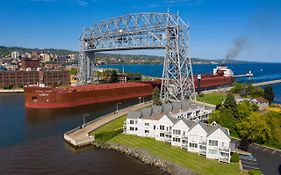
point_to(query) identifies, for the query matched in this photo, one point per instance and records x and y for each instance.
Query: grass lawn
(113, 125)
(212, 98)
(196, 163)
(179, 156)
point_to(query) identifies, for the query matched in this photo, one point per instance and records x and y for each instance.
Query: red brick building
(30, 64)
(22, 78)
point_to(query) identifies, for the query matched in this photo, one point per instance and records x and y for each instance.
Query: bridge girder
(144, 31)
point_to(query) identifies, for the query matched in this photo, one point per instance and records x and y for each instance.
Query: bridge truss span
(143, 31)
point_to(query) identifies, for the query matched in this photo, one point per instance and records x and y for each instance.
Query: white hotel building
(181, 125)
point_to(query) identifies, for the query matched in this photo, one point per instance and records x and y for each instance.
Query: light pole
(84, 119)
(199, 83)
(117, 107)
(139, 100)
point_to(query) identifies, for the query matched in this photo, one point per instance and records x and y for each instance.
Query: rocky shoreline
(146, 158)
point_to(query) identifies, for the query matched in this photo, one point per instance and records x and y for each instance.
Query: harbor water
(31, 142)
(262, 72)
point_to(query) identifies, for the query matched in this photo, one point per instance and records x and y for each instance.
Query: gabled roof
(157, 109)
(167, 108)
(224, 130)
(146, 112)
(134, 114)
(172, 119)
(261, 100)
(176, 107)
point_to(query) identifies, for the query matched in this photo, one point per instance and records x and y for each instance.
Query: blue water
(261, 71)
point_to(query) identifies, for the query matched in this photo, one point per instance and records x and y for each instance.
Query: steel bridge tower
(143, 31)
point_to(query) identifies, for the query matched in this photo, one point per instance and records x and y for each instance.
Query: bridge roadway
(80, 136)
(254, 84)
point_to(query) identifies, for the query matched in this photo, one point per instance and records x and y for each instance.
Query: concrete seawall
(80, 136)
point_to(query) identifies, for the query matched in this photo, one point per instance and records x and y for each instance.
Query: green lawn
(179, 156)
(113, 125)
(212, 98)
(196, 163)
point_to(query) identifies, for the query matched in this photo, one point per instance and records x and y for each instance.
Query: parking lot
(249, 162)
(268, 160)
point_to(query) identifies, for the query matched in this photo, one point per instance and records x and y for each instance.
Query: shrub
(255, 172)
(105, 136)
(201, 95)
(235, 157)
(8, 87)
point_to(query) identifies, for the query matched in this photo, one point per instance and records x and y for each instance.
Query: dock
(80, 136)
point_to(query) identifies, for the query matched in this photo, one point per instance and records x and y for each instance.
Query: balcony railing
(226, 150)
(203, 143)
(224, 159)
(202, 152)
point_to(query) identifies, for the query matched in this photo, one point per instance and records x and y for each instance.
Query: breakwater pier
(265, 83)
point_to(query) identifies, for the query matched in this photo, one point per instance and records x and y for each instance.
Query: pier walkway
(80, 136)
(254, 84)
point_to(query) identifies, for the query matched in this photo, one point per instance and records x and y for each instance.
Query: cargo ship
(42, 97)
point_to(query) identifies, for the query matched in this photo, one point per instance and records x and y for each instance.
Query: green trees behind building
(244, 121)
(156, 96)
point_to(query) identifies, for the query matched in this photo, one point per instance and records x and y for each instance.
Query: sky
(215, 25)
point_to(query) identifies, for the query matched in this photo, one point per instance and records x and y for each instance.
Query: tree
(255, 128)
(268, 94)
(225, 118)
(245, 109)
(114, 77)
(73, 71)
(156, 96)
(275, 125)
(230, 103)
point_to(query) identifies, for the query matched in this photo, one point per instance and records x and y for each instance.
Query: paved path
(80, 136)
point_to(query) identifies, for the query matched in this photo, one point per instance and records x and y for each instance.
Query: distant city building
(15, 55)
(45, 57)
(22, 78)
(30, 64)
(180, 125)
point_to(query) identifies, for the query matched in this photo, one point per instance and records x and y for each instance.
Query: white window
(176, 131)
(222, 144)
(131, 128)
(146, 131)
(212, 151)
(161, 134)
(175, 139)
(154, 127)
(213, 143)
(136, 128)
(161, 127)
(131, 122)
(146, 124)
(193, 145)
